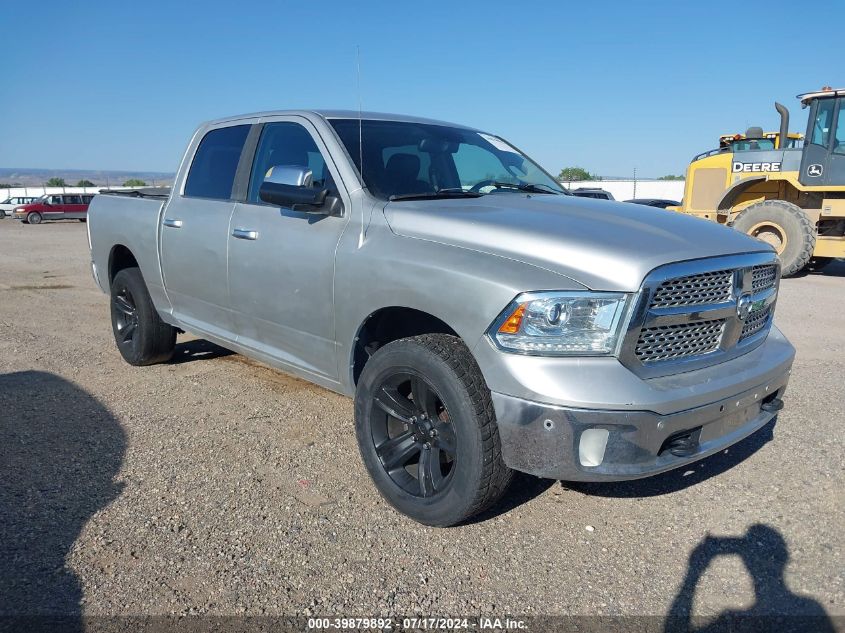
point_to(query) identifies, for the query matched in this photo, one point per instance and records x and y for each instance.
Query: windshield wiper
(524, 186)
(439, 194)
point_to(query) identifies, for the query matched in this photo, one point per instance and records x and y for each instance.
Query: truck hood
(602, 245)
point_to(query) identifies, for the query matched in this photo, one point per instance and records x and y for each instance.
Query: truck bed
(127, 220)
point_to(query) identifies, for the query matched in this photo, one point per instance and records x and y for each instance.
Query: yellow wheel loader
(791, 197)
(755, 138)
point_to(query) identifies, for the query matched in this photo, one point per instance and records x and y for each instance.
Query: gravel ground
(215, 485)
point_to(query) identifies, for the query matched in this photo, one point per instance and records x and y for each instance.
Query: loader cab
(823, 159)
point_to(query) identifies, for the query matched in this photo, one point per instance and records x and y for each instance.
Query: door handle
(245, 234)
(172, 223)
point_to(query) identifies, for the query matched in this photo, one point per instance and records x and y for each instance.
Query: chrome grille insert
(763, 277)
(666, 342)
(755, 322)
(710, 287)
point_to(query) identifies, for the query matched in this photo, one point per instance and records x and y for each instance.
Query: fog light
(591, 447)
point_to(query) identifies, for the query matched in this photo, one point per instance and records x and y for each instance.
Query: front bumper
(608, 444)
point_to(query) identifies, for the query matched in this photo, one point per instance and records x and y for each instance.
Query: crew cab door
(194, 232)
(281, 261)
(823, 162)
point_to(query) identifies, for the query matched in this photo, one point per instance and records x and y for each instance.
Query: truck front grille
(755, 322)
(763, 277)
(697, 313)
(712, 287)
(666, 342)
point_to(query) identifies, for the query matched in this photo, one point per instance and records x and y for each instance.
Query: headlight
(561, 323)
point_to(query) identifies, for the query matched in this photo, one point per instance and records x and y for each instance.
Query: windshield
(752, 144)
(405, 159)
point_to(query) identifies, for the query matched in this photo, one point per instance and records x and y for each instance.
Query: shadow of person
(764, 553)
(681, 478)
(60, 450)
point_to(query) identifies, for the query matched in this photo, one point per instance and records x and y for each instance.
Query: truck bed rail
(148, 192)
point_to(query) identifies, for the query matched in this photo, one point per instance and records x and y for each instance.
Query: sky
(608, 86)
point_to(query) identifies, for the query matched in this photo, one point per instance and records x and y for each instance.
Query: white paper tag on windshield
(498, 143)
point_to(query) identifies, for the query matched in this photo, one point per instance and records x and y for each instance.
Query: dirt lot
(215, 485)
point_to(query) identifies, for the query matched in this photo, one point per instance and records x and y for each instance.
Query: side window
(87, 199)
(839, 138)
(212, 172)
(822, 122)
(55, 199)
(73, 200)
(287, 144)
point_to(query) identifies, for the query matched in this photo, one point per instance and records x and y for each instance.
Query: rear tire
(435, 455)
(783, 225)
(141, 336)
(33, 218)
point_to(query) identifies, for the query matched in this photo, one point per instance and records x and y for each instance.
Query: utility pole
(635, 182)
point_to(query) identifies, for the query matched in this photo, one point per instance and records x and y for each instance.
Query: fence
(627, 189)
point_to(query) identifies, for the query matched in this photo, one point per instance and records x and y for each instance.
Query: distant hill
(34, 177)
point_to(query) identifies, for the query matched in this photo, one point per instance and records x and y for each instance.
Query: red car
(55, 206)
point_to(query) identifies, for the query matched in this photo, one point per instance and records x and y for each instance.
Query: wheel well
(740, 193)
(391, 324)
(120, 258)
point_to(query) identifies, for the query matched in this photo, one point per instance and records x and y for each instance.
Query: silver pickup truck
(483, 320)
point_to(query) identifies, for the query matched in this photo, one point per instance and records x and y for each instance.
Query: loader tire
(784, 226)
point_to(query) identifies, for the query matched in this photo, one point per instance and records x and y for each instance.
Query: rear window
(212, 172)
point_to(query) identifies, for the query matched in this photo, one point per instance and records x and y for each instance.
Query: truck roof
(340, 114)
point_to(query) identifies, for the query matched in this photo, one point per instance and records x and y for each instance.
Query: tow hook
(773, 405)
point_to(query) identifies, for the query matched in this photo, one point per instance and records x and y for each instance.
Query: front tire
(141, 336)
(427, 432)
(783, 225)
(33, 218)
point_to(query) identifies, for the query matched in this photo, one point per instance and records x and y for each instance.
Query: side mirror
(290, 186)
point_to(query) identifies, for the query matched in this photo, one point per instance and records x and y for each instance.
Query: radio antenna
(360, 118)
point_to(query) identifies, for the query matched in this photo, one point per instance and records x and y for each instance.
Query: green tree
(56, 182)
(85, 183)
(576, 173)
(5, 185)
(134, 182)
(671, 177)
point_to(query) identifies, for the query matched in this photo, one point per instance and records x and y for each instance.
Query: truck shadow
(764, 553)
(680, 478)
(197, 349)
(833, 269)
(523, 489)
(60, 450)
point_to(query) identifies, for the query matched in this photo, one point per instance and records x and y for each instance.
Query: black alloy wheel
(125, 317)
(413, 435)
